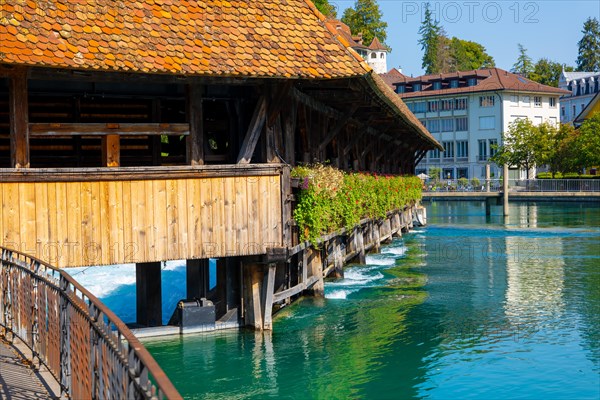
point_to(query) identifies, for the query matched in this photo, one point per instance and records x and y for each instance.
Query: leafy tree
(365, 18)
(589, 46)
(562, 157)
(586, 143)
(525, 145)
(524, 65)
(468, 55)
(430, 32)
(548, 72)
(325, 8)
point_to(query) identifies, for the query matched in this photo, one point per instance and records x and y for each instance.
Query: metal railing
(555, 185)
(514, 185)
(88, 349)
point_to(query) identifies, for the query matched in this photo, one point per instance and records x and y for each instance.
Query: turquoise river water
(468, 307)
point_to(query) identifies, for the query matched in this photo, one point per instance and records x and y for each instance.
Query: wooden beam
(195, 148)
(289, 132)
(101, 129)
(111, 151)
(277, 101)
(269, 288)
(19, 119)
(341, 122)
(254, 129)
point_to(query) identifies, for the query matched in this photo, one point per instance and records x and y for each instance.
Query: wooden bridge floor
(18, 381)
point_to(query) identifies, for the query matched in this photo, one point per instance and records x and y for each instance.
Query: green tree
(365, 18)
(563, 155)
(468, 55)
(524, 65)
(586, 143)
(430, 32)
(525, 145)
(326, 9)
(589, 46)
(548, 72)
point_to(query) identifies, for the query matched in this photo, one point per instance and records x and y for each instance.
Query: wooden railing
(88, 349)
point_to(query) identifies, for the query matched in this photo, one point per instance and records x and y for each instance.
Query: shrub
(330, 199)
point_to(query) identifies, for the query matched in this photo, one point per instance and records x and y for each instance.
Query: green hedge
(330, 199)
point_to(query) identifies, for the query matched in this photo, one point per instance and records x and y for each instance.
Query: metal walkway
(18, 381)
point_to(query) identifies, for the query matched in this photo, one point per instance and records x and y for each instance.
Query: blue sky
(549, 28)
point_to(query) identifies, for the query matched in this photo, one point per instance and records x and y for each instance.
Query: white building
(374, 54)
(582, 87)
(467, 112)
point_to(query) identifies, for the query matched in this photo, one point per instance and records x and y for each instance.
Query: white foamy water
(395, 250)
(380, 259)
(339, 294)
(102, 281)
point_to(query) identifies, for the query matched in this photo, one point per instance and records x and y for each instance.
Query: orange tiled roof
(376, 45)
(265, 38)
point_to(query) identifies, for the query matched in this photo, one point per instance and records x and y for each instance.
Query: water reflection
(469, 308)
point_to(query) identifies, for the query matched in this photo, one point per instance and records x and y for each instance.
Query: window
(525, 101)
(553, 121)
(454, 83)
(462, 149)
(486, 101)
(373, 55)
(448, 173)
(562, 111)
(424, 122)
(482, 150)
(472, 82)
(487, 122)
(447, 125)
(493, 143)
(552, 101)
(382, 55)
(582, 106)
(461, 104)
(432, 105)
(574, 110)
(419, 107)
(462, 173)
(462, 124)
(400, 89)
(537, 101)
(537, 120)
(448, 149)
(416, 87)
(437, 85)
(434, 154)
(433, 125)
(447, 105)
(514, 100)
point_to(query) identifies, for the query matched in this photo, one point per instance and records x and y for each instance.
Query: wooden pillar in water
(148, 294)
(252, 292)
(505, 189)
(197, 278)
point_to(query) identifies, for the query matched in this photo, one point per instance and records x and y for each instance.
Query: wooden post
(376, 236)
(111, 151)
(487, 177)
(19, 119)
(505, 189)
(269, 287)
(286, 207)
(360, 245)
(315, 263)
(289, 133)
(195, 150)
(254, 129)
(196, 278)
(253, 280)
(148, 294)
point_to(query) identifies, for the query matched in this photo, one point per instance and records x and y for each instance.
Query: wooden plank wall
(70, 224)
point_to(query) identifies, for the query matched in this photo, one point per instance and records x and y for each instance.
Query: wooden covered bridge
(143, 131)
